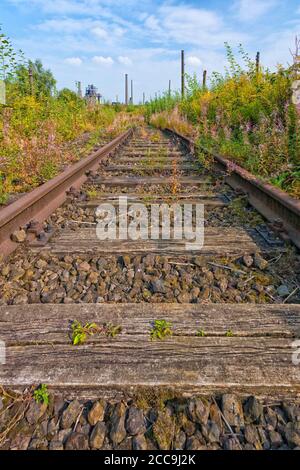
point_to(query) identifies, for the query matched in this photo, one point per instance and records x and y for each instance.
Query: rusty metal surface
(282, 210)
(41, 202)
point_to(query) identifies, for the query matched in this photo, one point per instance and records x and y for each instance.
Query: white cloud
(110, 33)
(118, 31)
(100, 32)
(194, 61)
(152, 23)
(207, 19)
(124, 60)
(102, 60)
(276, 46)
(84, 8)
(184, 24)
(66, 25)
(71, 25)
(63, 7)
(250, 10)
(74, 61)
(84, 27)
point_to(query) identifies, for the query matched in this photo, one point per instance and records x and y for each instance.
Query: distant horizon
(97, 42)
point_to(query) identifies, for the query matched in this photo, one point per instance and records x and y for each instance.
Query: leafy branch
(9, 58)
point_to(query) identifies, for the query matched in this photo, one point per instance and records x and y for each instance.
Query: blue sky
(98, 41)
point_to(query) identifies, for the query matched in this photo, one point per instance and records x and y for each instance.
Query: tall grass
(246, 114)
(34, 133)
(39, 124)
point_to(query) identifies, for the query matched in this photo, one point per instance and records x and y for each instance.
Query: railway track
(233, 305)
(274, 204)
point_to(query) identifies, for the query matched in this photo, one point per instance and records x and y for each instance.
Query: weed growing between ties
(41, 394)
(161, 329)
(80, 332)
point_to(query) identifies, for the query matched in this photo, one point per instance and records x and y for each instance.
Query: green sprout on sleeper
(92, 193)
(200, 333)
(80, 332)
(112, 331)
(41, 394)
(161, 329)
(229, 334)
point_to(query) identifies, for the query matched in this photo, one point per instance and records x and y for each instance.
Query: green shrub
(246, 114)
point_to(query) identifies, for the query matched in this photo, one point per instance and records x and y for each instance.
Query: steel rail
(282, 210)
(41, 202)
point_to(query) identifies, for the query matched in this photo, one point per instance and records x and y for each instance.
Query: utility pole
(143, 97)
(79, 91)
(126, 89)
(182, 74)
(30, 74)
(131, 99)
(257, 60)
(204, 79)
(169, 88)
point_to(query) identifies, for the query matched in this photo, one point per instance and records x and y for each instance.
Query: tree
(44, 82)
(68, 96)
(9, 58)
(34, 79)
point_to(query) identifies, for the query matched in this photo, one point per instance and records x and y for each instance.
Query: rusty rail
(37, 205)
(282, 210)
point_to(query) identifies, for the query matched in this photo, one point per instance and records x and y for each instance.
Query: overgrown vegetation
(200, 333)
(41, 394)
(229, 334)
(246, 114)
(38, 123)
(112, 331)
(160, 329)
(80, 332)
